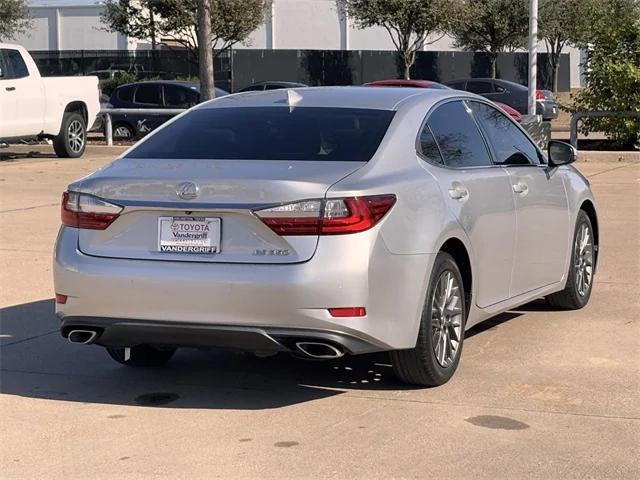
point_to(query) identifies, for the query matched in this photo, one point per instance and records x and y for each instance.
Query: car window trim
(484, 134)
(425, 120)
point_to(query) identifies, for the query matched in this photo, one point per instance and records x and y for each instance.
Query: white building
(289, 24)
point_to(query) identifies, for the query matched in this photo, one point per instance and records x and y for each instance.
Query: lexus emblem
(188, 190)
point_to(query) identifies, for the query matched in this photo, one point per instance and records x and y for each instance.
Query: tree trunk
(554, 75)
(152, 27)
(406, 67)
(407, 59)
(493, 64)
(205, 50)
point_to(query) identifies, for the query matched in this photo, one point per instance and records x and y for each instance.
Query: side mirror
(561, 153)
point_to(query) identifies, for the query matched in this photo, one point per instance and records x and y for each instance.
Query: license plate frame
(189, 235)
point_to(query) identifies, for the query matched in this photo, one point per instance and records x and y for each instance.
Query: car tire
(142, 355)
(122, 131)
(577, 291)
(72, 139)
(427, 364)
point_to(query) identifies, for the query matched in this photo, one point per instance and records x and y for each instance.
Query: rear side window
(457, 85)
(510, 145)
(179, 97)
(16, 64)
(126, 93)
(148, 94)
(428, 146)
(253, 88)
(270, 133)
(480, 87)
(458, 137)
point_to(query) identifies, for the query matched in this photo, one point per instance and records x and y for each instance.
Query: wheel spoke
(446, 318)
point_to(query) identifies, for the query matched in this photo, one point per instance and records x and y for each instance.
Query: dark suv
(153, 95)
(509, 93)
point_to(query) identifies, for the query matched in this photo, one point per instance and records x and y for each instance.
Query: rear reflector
(80, 210)
(333, 216)
(61, 299)
(348, 312)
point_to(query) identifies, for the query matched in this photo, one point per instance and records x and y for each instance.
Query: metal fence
(237, 69)
(168, 64)
(578, 116)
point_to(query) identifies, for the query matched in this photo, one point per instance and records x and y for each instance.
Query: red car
(406, 83)
(512, 112)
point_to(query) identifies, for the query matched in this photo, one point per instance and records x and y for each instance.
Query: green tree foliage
(232, 21)
(408, 22)
(490, 26)
(563, 23)
(14, 18)
(613, 71)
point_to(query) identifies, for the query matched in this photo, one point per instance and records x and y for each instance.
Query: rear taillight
(86, 211)
(333, 216)
(539, 95)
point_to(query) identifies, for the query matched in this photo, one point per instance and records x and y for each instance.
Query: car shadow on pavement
(36, 362)
(8, 156)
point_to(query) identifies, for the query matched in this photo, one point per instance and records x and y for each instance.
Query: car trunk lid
(228, 191)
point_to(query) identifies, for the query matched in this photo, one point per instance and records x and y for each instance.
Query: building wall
(70, 28)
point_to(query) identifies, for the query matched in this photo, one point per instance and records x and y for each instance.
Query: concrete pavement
(539, 393)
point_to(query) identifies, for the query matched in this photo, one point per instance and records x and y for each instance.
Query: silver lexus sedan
(323, 222)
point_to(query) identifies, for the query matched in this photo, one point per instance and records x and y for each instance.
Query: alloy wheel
(446, 318)
(583, 260)
(122, 132)
(75, 134)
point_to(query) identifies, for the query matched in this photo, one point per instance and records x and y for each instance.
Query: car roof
(402, 83)
(380, 98)
(490, 80)
(165, 82)
(279, 82)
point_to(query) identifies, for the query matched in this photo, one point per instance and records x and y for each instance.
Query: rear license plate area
(193, 235)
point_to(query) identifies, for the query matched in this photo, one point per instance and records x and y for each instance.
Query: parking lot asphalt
(539, 393)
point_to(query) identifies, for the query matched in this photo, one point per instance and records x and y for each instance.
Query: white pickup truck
(59, 108)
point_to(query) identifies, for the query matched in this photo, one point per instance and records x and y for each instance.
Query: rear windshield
(270, 133)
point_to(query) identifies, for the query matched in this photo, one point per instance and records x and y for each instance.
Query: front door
(478, 194)
(8, 100)
(543, 227)
(27, 118)
(542, 210)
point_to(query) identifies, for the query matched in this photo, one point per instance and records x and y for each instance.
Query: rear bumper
(548, 110)
(121, 332)
(175, 299)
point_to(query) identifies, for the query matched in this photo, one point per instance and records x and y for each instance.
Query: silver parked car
(323, 222)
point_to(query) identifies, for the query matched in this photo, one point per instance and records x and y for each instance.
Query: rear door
(221, 165)
(148, 95)
(177, 96)
(478, 194)
(542, 209)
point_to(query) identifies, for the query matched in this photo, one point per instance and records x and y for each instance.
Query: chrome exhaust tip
(319, 350)
(82, 337)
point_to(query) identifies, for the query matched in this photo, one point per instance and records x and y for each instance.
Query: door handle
(10, 89)
(521, 188)
(459, 192)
